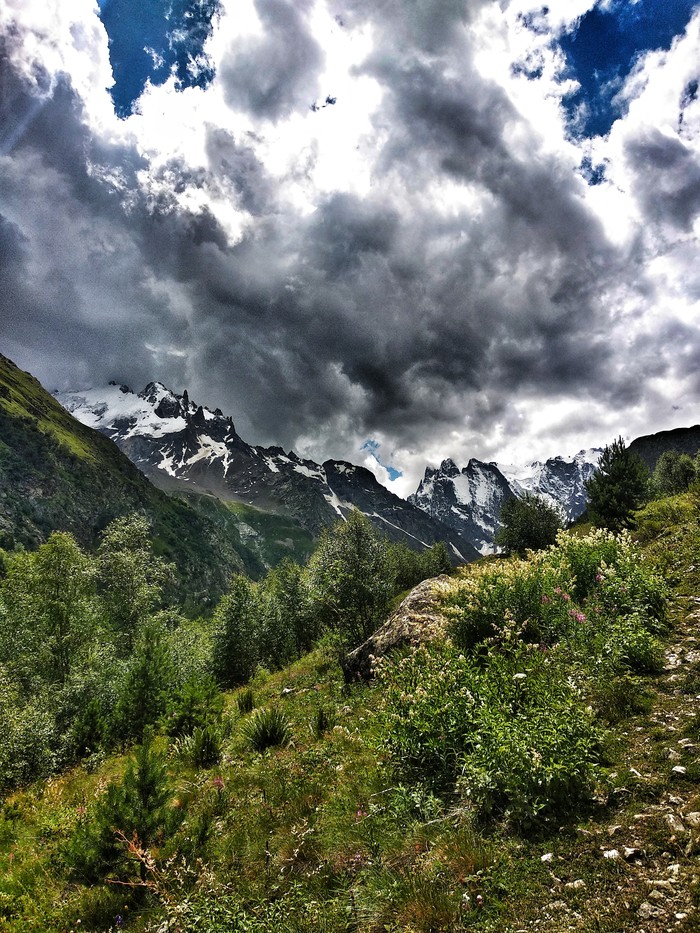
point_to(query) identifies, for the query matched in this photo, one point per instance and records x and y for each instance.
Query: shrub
(630, 645)
(527, 600)
(674, 472)
(267, 728)
(529, 524)
(512, 735)
(245, 701)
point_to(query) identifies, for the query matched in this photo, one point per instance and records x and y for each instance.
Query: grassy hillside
(542, 773)
(57, 474)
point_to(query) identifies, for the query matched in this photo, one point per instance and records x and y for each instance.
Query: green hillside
(535, 767)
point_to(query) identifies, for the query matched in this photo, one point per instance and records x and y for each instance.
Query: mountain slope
(58, 474)
(651, 446)
(181, 445)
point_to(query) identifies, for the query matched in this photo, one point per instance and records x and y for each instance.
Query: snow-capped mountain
(559, 480)
(470, 500)
(178, 443)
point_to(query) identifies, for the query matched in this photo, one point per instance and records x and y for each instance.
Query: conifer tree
(618, 487)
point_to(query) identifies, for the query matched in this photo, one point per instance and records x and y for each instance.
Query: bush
(673, 474)
(529, 524)
(267, 728)
(512, 736)
(514, 600)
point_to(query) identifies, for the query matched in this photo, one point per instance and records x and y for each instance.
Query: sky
(386, 231)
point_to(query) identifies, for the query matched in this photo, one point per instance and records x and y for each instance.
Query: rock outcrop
(418, 619)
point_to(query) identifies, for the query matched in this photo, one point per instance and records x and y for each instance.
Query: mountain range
(182, 446)
(219, 505)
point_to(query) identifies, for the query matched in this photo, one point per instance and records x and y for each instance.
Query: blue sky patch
(601, 51)
(373, 447)
(152, 39)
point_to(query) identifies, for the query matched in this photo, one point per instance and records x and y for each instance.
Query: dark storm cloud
(668, 178)
(376, 313)
(272, 75)
(239, 167)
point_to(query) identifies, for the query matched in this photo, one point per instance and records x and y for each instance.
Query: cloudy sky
(378, 230)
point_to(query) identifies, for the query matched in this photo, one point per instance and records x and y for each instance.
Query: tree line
(92, 654)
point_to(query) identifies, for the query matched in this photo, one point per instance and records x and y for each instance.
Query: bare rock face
(418, 619)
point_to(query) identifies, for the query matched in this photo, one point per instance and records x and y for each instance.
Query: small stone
(674, 869)
(679, 770)
(662, 884)
(680, 915)
(547, 857)
(630, 852)
(657, 895)
(692, 819)
(611, 854)
(673, 755)
(646, 911)
(575, 885)
(675, 824)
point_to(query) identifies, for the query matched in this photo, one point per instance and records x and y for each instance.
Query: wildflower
(218, 783)
(599, 578)
(545, 599)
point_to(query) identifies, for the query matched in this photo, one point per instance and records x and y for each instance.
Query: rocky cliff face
(178, 443)
(470, 499)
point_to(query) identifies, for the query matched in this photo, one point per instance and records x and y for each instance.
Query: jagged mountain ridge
(470, 499)
(179, 444)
